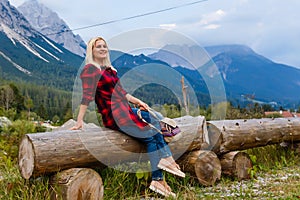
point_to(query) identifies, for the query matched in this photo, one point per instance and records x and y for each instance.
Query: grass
(275, 172)
(276, 176)
(13, 186)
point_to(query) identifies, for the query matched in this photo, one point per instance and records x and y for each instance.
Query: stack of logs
(205, 150)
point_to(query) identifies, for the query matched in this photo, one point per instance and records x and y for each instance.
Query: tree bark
(244, 134)
(236, 164)
(48, 152)
(205, 165)
(77, 183)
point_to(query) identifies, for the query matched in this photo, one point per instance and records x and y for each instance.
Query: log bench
(48, 152)
(205, 150)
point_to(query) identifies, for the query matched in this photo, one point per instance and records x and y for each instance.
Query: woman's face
(100, 50)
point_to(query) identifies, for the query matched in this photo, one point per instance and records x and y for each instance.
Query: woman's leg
(158, 150)
(158, 183)
(153, 152)
(154, 157)
(162, 146)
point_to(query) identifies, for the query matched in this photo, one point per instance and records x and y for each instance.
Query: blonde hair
(89, 58)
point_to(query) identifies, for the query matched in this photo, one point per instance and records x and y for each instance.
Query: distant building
(283, 113)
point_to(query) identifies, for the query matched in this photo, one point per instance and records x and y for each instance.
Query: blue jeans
(157, 148)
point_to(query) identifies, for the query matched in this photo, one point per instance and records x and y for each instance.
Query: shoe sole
(163, 167)
(166, 194)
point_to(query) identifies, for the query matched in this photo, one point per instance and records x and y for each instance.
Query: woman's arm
(137, 101)
(79, 123)
(89, 77)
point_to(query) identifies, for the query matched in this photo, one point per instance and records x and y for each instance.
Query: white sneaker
(161, 189)
(169, 167)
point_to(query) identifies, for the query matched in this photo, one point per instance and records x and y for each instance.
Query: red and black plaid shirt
(104, 86)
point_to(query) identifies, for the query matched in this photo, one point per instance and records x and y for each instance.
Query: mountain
(246, 72)
(27, 55)
(48, 22)
(243, 72)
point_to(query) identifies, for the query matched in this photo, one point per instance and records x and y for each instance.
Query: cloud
(212, 17)
(212, 26)
(168, 26)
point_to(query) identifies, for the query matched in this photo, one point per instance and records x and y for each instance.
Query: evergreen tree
(67, 112)
(56, 119)
(19, 98)
(7, 97)
(28, 105)
(42, 112)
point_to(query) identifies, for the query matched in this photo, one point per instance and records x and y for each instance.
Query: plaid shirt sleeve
(89, 77)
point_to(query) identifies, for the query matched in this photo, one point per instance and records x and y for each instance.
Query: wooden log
(236, 164)
(195, 135)
(245, 134)
(205, 165)
(77, 183)
(214, 140)
(294, 146)
(43, 153)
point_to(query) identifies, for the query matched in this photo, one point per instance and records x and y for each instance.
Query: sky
(270, 27)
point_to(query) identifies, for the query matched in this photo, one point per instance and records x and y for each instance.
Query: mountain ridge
(244, 72)
(50, 24)
(26, 54)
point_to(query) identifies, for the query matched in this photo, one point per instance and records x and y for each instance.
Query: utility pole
(184, 96)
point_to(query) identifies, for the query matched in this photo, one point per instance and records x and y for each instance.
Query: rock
(4, 121)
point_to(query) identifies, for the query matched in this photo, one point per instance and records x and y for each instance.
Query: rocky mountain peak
(50, 24)
(11, 20)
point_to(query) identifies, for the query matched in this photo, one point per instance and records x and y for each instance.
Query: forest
(40, 103)
(36, 103)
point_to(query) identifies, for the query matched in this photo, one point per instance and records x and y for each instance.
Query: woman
(101, 83)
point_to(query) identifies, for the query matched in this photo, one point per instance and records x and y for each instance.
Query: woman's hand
(79, 125)
(143, 106)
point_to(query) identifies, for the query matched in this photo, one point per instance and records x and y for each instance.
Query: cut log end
(208, 168)
(236, 164)
(243, 164)
(205, 165)
(77, 183)
(215, 139)
(26, 158)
